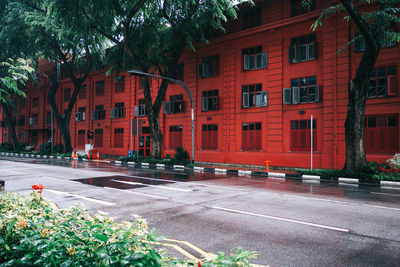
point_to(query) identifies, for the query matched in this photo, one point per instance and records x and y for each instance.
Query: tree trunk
(63, 125)
(355, 121)
(11, 129)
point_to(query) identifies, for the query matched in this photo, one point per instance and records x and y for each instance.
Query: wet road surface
(289, 222)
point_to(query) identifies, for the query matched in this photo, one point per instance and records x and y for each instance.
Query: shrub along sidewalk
(33, 232)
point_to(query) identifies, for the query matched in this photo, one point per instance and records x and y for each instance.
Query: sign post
(311, 141)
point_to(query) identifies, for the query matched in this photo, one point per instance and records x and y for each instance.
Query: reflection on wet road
(131, 178)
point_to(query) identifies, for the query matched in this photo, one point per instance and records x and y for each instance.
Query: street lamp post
(140, 73)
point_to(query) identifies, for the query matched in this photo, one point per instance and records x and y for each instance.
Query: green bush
(22, 147)
(45, 148)
(59, 148)
(33, 232)
(370, 172)
(181, 156)
(6, 147)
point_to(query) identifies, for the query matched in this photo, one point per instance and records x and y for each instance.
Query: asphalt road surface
(289, 222)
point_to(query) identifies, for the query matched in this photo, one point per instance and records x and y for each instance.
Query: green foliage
(370, 172)
(45, 148)
(33, 232)
(181, 154)
(22, 147)
(59, 148)
(6, 147)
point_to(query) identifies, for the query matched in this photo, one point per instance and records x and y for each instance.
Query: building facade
(255, 89)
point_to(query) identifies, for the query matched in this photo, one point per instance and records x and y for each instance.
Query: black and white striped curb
(143, 165)
(340, 180)
(27, 155)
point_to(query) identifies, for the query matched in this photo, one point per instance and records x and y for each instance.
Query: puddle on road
(120, 182)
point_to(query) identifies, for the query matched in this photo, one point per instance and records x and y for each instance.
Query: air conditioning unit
(115, 113)
(78, 116)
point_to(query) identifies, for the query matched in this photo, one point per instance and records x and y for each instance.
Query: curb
(144, 165)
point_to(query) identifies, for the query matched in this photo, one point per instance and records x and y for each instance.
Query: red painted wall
(333, 72)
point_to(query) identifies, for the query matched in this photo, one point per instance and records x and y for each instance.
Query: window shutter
(83, 115)
(246, 64)
(206, 72)
(94, 115)
(264, 99)
(316, 93)
(311, 47)
(296, 95)
(166, 107)
(122, 112)
(245, 100)
(113, 113)
(291, 54)
(143, 110)
(77, 116)
(392, 85)
(200, 70)
(137, 110)
(264, 60)
(205, 103)
(287, 96)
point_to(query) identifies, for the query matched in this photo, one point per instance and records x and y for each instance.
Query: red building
(255, 89)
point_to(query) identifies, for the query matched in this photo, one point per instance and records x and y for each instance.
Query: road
(289, 222)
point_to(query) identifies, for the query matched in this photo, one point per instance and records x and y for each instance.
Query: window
(82, 92)
(381, 134)
(359, 41)
(140, 110)
(175, 105)
(300, 135)
(251, 18)
(209, 136)
(304, 90)
(179, 75)
(21, 120)
(383, 82)
(119, 137)
(254, 58)
(253, 96)
(100, 88)
(210, 100)
(251, 136)
(99, 113)
(98, 137)
(298, 8)
(209, 67)
(81, 137)
(118, 111)
(22, 103)
(175, 136)
(35, 102)
(22, 137)
(303, 48)
(81, 114)
(33, 119)
(67, 94)
(120, 84)
(142, 82)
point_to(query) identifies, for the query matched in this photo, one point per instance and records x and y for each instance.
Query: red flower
(38, 187)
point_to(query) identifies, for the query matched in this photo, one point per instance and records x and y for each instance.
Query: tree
(374, 26)
(149, 36)
(13, 75)
(78, 52)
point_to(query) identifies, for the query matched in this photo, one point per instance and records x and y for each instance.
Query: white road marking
(344, 202)
(136, 193)
(283, 219)
(153, 179)
(387, 194)
(106, 203)
(217, 186)
(8, 170)
(150, 185)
